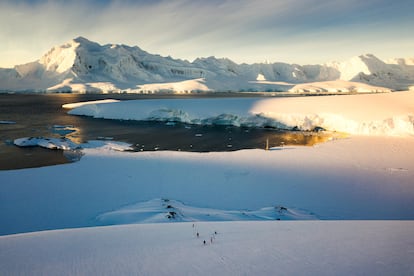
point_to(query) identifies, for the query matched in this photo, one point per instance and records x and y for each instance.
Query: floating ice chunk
(49, 143)
(108, 145)
(66, 144)
(6, 122)
(79, 104)
(105, 138)
(63, 129)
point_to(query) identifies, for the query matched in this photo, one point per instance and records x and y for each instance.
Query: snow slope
(379, 114)
(238, 248)
(371, 70)
(84, 66)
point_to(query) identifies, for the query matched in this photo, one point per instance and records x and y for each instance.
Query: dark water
(38, 116)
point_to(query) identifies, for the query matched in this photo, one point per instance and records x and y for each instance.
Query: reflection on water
(303, 138)
(42, 116)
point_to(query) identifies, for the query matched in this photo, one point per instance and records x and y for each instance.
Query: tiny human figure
(198, 234)
(204, 242)
(215, 232)
(211, 239)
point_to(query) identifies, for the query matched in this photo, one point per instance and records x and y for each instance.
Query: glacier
(386, 114)
(84, 66)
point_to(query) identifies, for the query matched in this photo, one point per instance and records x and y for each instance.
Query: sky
(246, 31)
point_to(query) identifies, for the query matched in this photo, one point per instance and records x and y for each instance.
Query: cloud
(242, 30)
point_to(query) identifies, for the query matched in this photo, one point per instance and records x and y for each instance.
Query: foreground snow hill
(374, 114)
(81, 65)
(238, 248)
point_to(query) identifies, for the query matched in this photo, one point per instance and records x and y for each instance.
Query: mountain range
(81, 65)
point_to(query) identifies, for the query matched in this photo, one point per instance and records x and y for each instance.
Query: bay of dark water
(38, 115)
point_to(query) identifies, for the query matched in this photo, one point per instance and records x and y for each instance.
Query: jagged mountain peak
(81, 39)
(368, 56)
(402, 61)
(371, 59)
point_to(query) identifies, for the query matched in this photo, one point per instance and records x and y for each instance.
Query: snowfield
(356, 195)
(378, 114)
(238, 248)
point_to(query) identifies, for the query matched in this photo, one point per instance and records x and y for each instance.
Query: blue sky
(294, 31)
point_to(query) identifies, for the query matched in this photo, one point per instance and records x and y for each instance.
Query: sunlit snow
(80, 65)
(380, 114)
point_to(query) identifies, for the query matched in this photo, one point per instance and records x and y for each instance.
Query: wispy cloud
(243, 30)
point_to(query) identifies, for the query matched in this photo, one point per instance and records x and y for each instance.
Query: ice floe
(6, 122)
(67, 145)
(49, 143)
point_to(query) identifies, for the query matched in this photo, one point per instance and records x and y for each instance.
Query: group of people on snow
(212, 237)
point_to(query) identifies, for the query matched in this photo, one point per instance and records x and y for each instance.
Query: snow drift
(379, 114)
(83, 66)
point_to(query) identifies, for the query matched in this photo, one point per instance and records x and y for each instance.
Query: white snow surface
(238, 248)
(390, 114)
(336, 87)
(186, 86)
(84, 66)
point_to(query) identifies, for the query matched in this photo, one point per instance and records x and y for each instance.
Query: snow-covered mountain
(85, 66)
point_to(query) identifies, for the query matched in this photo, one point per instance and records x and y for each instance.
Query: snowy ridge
(83, 66)
(167, 210)
(379, 114)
